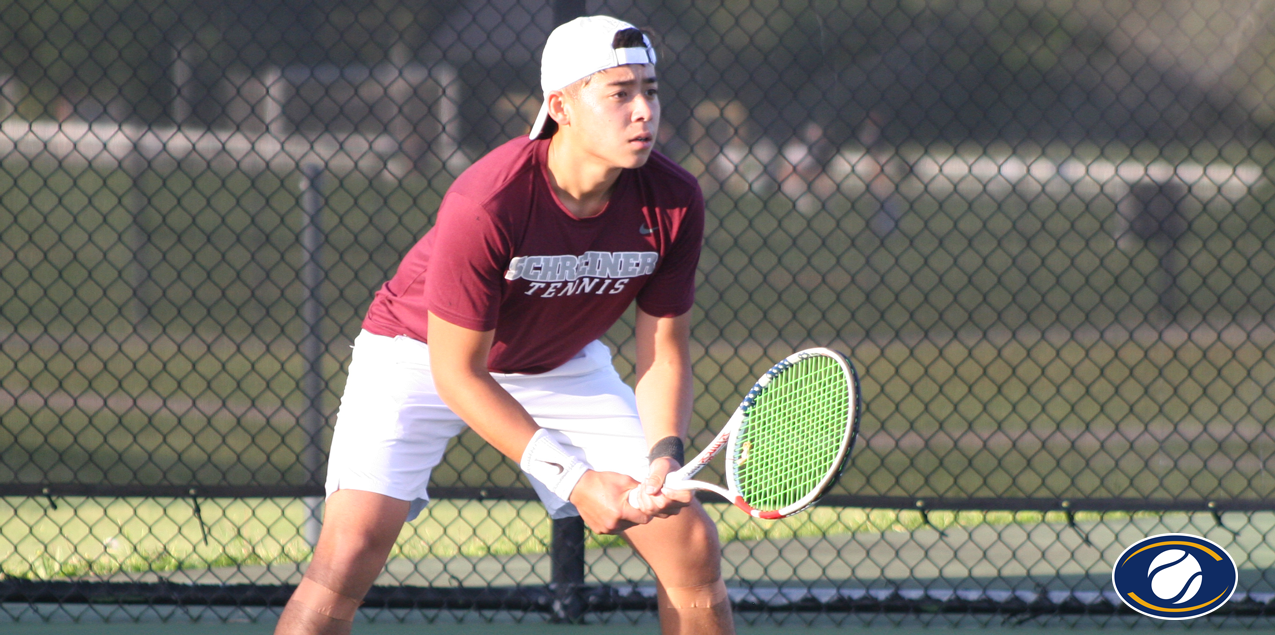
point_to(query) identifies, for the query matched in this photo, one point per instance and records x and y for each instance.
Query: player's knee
(697, 608)
(319, 598)
(346, 547)
(702, 537)
(347, 562)
(711, 595)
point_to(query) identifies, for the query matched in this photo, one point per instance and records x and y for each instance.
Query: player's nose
(643, 108)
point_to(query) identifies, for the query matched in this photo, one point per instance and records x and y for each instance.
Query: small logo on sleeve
(1175, 576)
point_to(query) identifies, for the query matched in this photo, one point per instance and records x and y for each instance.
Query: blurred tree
(943, 69)
(121, 54)
(66, 51)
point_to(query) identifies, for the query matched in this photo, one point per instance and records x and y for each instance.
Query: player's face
(617, 115)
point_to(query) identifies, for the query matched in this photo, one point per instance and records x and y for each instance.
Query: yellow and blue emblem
(1175, 576)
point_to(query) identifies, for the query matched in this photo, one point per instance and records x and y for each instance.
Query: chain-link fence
(1042, 230)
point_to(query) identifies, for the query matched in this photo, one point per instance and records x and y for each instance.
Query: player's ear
(559, 108)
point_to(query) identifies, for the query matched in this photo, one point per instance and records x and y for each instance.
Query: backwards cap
(578, 49)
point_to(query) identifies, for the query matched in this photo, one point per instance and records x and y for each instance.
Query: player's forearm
(488, 409)
(664, 385)
(664, 400)
(458, 361)
(498, 418)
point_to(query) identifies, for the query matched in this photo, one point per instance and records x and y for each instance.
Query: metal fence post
(137, 271)
(567, 557)
(311, 345)
(567, 549)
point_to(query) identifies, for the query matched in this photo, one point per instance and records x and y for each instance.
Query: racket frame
(726, 438)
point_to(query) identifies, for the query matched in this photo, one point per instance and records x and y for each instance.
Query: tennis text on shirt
(594, 272)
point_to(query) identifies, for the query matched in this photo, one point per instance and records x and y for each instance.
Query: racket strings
(792, 434)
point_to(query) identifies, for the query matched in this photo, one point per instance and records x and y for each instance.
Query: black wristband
(670, 447)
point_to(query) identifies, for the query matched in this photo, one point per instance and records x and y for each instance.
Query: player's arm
(458, 362)
(664, 399)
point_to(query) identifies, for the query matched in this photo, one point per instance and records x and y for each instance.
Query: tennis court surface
(899, 625)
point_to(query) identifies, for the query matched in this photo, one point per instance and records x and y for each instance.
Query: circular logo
(1175, 576)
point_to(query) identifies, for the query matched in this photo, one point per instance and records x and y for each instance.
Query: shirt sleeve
(466, 269)
(671, 290)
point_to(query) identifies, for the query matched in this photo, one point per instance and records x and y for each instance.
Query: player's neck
(582, 181)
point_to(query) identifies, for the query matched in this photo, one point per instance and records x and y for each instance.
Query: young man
(492, 321)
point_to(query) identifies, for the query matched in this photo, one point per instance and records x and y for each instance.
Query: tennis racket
(787, 441)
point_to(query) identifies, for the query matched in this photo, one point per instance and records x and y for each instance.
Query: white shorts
(392, 428)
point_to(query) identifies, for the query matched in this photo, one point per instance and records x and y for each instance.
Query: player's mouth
(642, 141)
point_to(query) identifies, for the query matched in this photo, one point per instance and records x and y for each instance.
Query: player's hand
(654, 499)
(600, 499)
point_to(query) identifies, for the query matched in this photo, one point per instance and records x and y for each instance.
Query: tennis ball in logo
(1175, 575)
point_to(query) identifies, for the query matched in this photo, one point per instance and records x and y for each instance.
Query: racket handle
(672, 481)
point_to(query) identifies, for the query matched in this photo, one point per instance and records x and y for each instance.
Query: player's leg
(392, 429)
(359, 529)
(686, 556)
(594, 415)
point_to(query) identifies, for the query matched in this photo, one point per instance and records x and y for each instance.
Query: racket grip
(672, 481)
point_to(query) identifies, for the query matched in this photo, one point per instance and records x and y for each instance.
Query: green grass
(97, 538)
(1072, 416)
(952, 416)
(102, 537)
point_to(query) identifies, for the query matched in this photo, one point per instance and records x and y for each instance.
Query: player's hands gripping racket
(788, 440)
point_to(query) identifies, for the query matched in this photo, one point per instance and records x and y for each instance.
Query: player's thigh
(359, 529)
(392, 427)
(683, 549)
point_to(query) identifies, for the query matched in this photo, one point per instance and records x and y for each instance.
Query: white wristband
(546, 461)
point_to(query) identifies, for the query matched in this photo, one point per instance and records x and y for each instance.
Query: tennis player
(492, 321)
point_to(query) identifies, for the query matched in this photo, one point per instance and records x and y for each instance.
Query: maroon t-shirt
(506, 255)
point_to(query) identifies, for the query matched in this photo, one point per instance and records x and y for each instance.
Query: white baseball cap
(578, 49)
